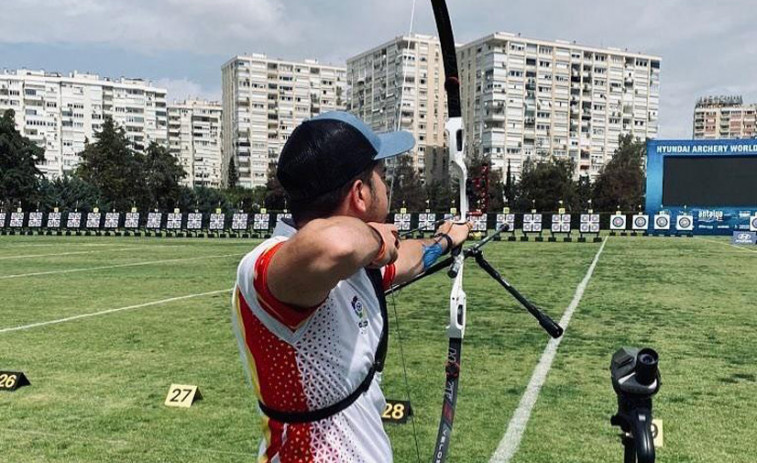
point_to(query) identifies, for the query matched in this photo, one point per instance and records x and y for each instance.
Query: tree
(546, 183)
(233, 175)
(407, 187)
(162, 174)
(621, 182)
(440, 195)
(111, 166)
(275, 196)
(69, 193)
(19, 176)
(486, 184)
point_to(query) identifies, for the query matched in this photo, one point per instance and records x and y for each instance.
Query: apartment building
(60, 112)
(194, 137)
(264, 99)
(526, 98)
(724, 117)
(400, 85)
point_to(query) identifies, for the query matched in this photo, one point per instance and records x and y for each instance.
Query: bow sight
(635, 378)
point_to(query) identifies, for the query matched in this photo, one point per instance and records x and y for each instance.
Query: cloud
(148, 25)
(706, 47)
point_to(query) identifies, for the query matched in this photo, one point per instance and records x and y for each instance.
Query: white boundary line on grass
(109, 311)
(133, 264)
(508, 446)
(724, 243)
(64, 253)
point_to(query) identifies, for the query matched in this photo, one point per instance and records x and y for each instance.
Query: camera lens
(646, 366)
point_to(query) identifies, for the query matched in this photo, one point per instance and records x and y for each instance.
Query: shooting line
(508, 446)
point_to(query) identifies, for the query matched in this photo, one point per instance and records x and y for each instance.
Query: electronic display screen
(710, 181)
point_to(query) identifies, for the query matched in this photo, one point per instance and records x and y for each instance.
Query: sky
(707, 47)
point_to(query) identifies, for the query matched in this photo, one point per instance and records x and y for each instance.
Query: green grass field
(99, 382)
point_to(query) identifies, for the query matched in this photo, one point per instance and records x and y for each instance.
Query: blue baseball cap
(327, 151)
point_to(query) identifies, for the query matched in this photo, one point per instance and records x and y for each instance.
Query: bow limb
(457, 307)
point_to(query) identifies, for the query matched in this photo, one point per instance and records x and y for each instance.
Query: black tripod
(545, 321)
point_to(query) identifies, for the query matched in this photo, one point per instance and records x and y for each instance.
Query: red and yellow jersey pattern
(307, 359)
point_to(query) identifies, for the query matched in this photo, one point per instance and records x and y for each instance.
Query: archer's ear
(358, 197)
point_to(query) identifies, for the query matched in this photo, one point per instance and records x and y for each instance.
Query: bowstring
(404, 373)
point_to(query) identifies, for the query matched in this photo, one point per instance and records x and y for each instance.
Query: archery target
(239, 221)
(281, 216)
(2, 219)
(617, 222)
(506, 219)
(93, 220)
(261, 221)
(194, 221)
(402, 221)
(589, 223)
(561, 223)
(217, 221)
(662, 222)
(131, 220)
(426, 222)
(640, 222)
(17, 219)
(111, 220)
(479, 223)
(154, 220)
(53, 220)
(685, 222)
(752, 223)
(35, 220)
(532, 223)
(74, 220)
(173, 222)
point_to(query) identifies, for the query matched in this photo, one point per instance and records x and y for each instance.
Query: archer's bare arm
(410, 256)
(323, 252)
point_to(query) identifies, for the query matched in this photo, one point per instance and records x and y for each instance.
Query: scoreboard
(713, 180)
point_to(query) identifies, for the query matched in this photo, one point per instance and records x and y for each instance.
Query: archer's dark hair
(323, 206)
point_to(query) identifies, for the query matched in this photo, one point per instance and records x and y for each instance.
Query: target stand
(217, 225)
(261, 224)
(589, 226)
(73, 223)
(34, 223)
(426, 224)
(532, 225)
(240, 225)
(154, 224)
(685, 224)
(94, 220)
(640, 225)
(131, 223)
(506, 219)
(662, 224)
(560, 227)
(618, 224)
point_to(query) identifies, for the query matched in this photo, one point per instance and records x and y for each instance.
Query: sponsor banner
(744, 238)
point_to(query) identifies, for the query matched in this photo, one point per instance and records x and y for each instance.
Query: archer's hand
(457, 231)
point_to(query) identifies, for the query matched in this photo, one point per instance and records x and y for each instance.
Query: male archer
(308, 308)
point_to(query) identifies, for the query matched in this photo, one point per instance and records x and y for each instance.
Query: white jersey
(302, 360)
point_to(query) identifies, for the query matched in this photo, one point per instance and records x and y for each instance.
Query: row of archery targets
(534, 224)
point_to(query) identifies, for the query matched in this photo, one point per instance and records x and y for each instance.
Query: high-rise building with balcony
(535, 99)
(724, 117)
(194, 138)
(264, 99)
(60, 113)
(400, 85)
